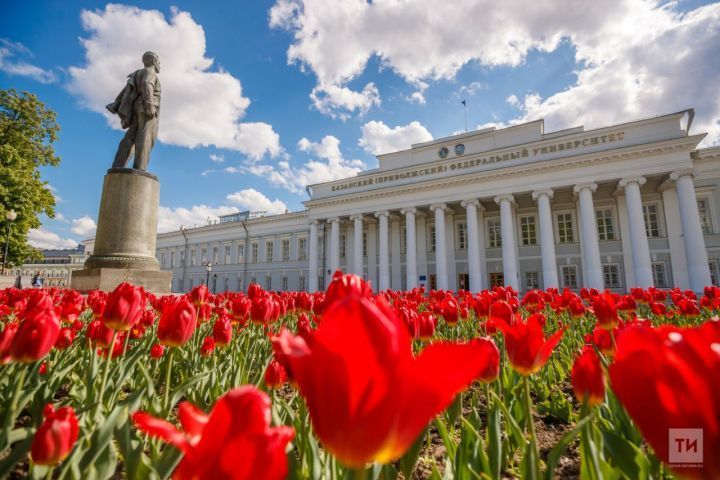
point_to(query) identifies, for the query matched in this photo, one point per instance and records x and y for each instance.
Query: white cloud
(471, 89)
(329, 165)
(171, 219)
(514, 101)
(9, 51)
(417, 97)
(46, 240)
(335, 101)
(83, 226)
(201, 105)
(378, 138)
(217, 158)
(634, 58)
(251, 199)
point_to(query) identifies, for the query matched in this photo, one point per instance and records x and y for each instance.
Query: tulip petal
(158, 428)
(192, 419)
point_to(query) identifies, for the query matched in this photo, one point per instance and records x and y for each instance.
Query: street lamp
(10, 217)
(208, 269)
(214, 283)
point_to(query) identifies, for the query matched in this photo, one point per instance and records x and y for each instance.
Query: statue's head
(151, 59)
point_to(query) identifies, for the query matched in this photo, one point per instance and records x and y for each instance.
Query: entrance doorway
(463, 281)
(433, 282)
(497, 279)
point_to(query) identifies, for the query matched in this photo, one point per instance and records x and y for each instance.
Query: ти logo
(686, 446)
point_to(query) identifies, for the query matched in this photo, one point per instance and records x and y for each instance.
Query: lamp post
(10, 217)
(208, 269)
(214, 283)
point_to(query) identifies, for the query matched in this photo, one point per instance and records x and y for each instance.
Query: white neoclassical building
(634, 204)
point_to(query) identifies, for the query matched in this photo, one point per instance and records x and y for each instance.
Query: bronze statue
(138, 106)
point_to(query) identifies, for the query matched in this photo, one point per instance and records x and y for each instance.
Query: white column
(695, 252)
(395, 263)
(357, 245)
(421, 247)
(410, 248)
(507, 232)
(589, 245)
(625, 238)
(372, 254)
(678, 262)
(384, 260)
(473, 246)
(334, 244)
(642, 265)
(440, 249)
(482, 257)
(313, 257)
(547, 238)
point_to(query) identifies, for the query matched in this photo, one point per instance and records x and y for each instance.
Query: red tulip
(667, 378)
(587, 377)
(37, 334)
(262, 310)
(606, 311)
(98, 334)
(492, 354)
(157, 351)
(234, 441)
(368, 396)
(343, 285)
(55, 437)
(208, 347)
(6, 338)
(177, 323)
(199, 295)
(426, 325)
(222, 332)
(526, 346)
(125, 307)
(275, 375)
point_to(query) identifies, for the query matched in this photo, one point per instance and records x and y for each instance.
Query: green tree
(27, 132)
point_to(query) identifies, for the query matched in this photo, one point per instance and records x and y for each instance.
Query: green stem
(359, 473)
(10, 419)
(49, 474)
(531, 429)
(106, 372)
(168, 372)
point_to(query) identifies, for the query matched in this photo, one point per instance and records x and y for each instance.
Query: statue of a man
(138, 106)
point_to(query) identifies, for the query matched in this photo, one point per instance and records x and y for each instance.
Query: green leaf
(408, 461)
(17, 453)
(180, 390)
(626, 456)
(167, 462)
(562, 445)
(494, 441)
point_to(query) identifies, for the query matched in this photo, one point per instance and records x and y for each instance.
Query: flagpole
(465, 108)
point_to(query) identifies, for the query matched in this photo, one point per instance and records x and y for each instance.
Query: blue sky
(293, 92)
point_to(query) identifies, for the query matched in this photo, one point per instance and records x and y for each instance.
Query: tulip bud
(222, 332)
(177, 323)
(208, 347)
(275, 375)
(56, 436)
(125, 307)
(587, 377)
(157, 351)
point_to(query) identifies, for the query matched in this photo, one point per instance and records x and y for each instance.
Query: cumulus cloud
(46, 240)
(83, 226)
(217, 158)
(10, 64)
(329, 164)
(337, 101)
(417, 97)
(201, 105)
(378, 138)
(171, 219)
(251, 199)
(634, 58)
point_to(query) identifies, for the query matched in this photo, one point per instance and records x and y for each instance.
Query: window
(713, 272)
(241, 254)
(268, 283)
(302, 248)
(254, 253)
(192, 257)
(215, 258)
(565, 228)
(321, 282)
(343, 245)
(203, 255)
(432, 238)
(611, 275)
(226, 284)
(528, 231)
(239, 284)
(461, 232)
(182, 260)
(365, 244)
(494, 233)
(227, 254)
(301, 283)
(172, 259)
(284, 284)
(162, 259)
(605, 228)
(704, 212)
(497, 279)
(569, 276)
(531, 280)
(659, 275)
(253, 280)
(285, 252)
(652, 227)
(269, 251)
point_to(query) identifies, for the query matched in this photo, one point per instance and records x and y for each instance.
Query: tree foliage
(27, 132)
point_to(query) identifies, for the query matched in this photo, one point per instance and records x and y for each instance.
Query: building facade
(634, 204)
(55, 268)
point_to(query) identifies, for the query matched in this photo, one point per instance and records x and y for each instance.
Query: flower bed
(347, 383)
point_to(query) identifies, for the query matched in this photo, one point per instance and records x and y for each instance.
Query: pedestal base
(155, 281)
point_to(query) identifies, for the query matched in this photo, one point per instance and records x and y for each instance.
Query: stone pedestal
(124, 249)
